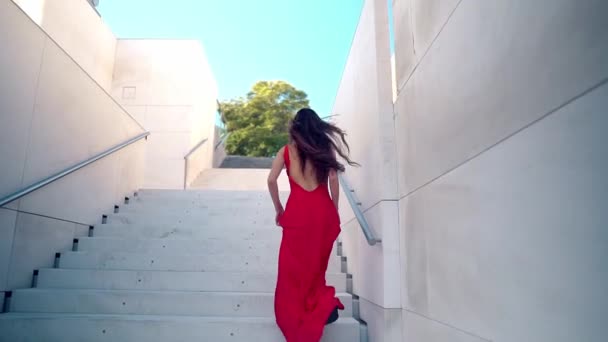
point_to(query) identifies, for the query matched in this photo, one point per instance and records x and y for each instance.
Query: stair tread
(155, 239)
(152, 302)
(169, 253)
(254, 273)
(128, 328)
(132, 317)
(161, 292)
(220, 281)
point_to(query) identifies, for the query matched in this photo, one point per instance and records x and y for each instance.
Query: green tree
(258, 124)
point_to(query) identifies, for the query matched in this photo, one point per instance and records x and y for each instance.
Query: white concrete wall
(364, 105)
(53, 116)
(512, 245)
(501, 164)
(169, 87)
(500, 126)
(80, 31)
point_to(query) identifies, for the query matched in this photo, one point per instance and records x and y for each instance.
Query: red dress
(303, 301)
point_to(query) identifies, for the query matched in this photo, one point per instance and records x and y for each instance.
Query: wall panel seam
(511, 135)
(47, 216)
(448, 325)
(419, 61)
(32, 117)
(370, 208)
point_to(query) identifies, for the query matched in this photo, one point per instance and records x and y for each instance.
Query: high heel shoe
(333, 316)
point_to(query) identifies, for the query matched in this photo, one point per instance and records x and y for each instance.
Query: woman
(304, 304)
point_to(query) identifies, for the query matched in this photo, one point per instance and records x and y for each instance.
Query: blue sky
(303, 42)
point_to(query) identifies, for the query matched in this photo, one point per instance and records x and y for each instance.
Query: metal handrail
(222, 139)
(33, 187)
(196, 147)
(354, 204)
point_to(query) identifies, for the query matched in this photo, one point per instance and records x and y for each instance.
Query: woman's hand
(278, 216)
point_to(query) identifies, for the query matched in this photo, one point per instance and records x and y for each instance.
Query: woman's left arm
(334, 187)
(273, 185)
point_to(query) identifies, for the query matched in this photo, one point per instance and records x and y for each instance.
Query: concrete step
(143, 193)
(208, 247)
(198, 211)
(179, 246)
(198, 204)
(194, 204)
(266, 233)
(172, 281)
(180, 303)
(129, 328)
(208, 196)
(237, 197)
(202, 220)
(197, 198)
(229, 262)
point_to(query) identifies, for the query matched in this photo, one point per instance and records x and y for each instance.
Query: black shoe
(333, 316)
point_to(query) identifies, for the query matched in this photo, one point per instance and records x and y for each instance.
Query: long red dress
(311, 224)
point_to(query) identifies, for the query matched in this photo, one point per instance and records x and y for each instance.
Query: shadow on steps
(241, 162)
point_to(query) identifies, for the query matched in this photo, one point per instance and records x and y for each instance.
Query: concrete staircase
(169, 266)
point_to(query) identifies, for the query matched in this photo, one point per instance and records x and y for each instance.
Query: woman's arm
(273, 186)
(334, 187)
(334, 184)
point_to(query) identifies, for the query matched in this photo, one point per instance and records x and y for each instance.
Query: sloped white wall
(78, 30)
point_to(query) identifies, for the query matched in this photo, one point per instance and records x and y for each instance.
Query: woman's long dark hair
(316, 141)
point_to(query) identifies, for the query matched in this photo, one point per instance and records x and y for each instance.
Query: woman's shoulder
(289, 147)
(282, 150)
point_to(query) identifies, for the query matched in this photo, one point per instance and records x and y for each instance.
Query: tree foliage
(258, 124)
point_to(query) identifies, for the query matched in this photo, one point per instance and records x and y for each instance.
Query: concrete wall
(364, 105)
(500, 128)
(53, 116)
(500, 121)
(169, 87)
(77, 28)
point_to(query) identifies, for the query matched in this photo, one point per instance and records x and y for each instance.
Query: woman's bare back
(306, 179)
